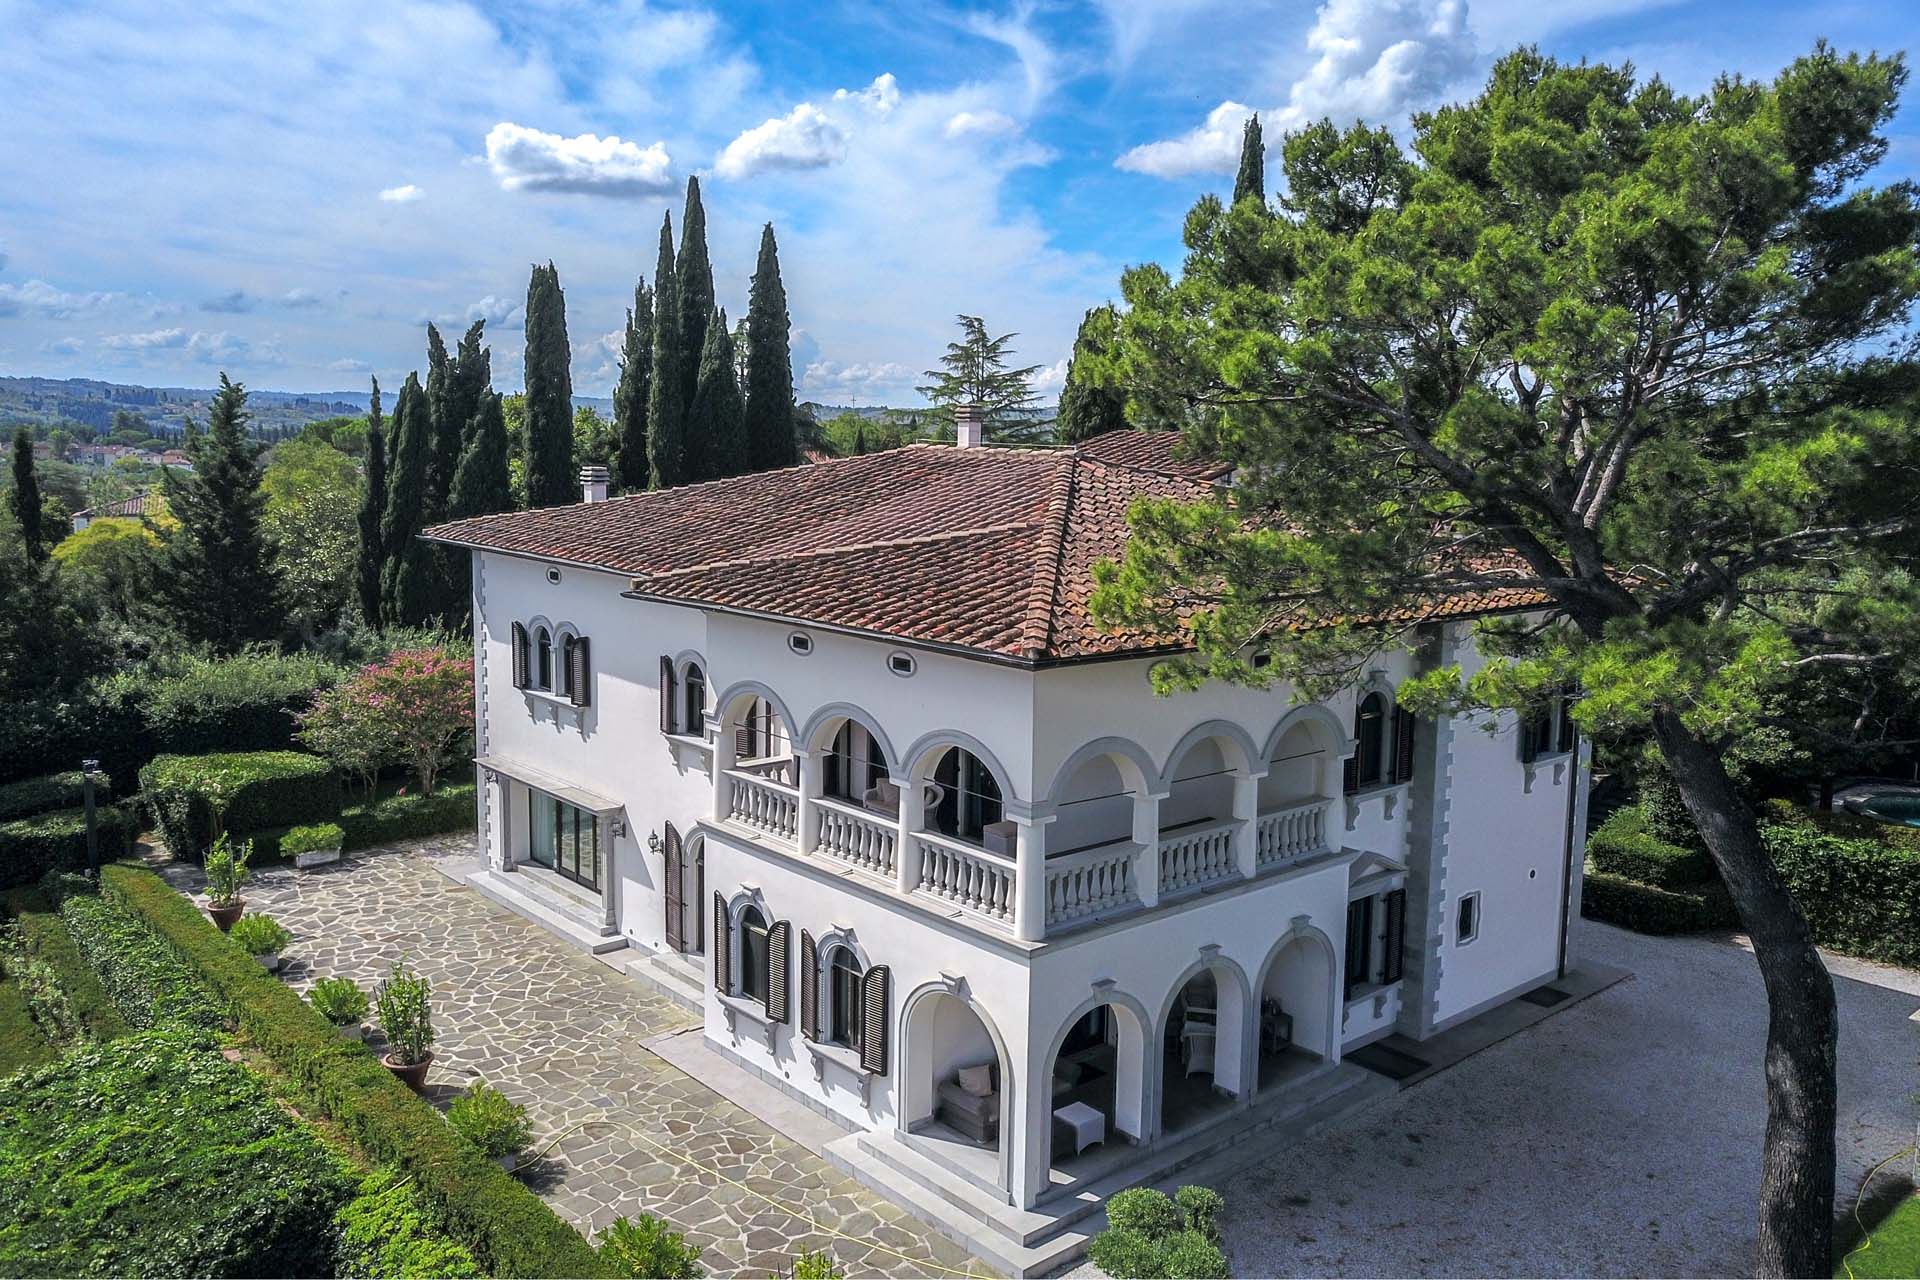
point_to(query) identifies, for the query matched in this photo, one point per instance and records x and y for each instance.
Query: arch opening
(1202, 1044)
(1298, 1018)
(956, 1085)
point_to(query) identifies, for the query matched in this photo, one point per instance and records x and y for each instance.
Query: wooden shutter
(722, 947)
(1396, 940)
(743, 740)
(674, 877)
(1350, 774)
(809, 987)
(876, 994)
(666, 694)
(1403, 727)
(580, 672)
(1529, 738)
(519, 656)
(777, 975)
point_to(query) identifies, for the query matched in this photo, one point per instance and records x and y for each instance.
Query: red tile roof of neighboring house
(990, 550)
(125, 509)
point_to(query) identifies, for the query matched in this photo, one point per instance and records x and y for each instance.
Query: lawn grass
(22, 1044)
(1891, 1250)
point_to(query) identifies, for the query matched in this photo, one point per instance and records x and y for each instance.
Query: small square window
(901, 664)
(1466, 923)
(553, 575)
(800, 642)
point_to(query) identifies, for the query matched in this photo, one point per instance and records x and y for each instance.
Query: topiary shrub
(54, 791)
(57, 841)
(1623, 846)
(1127, 1255)
(647, 1247)
(246, 791)
(1144, 1210)
(1150, 1237)
(1191, 1256)
(1200, 1210)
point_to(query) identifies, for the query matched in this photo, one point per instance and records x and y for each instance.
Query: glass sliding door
(564, 838)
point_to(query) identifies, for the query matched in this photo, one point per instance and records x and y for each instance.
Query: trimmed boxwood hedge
(57, 841)
(1860, 896)
(509, 1230)
(55, 791)
(22, 1042)
(389, 820)
(264, 789)
(146, 979)
(1622, 846)
(1645, 908)
(70, 996)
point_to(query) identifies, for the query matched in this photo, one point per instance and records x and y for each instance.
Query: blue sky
(289, 191)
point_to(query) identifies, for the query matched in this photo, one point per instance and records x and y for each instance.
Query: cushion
(977, 1081)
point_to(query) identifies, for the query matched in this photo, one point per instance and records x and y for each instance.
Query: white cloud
(1048, 379)
(872, 382)
(63, 346)
(405, 194)
(1039, 64)
(526, 159)
(807, 137)
(499, 313)
(300, 299)
(348, 365)
(233, 303)
(980, 124)
(152, 339)
(41, 298)
(1377, 60)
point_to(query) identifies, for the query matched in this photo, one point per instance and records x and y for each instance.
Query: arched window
(854, 763)
(755, 955)
(1370, 727)
(542, 659)
(969, 796)
(843, 1020)
(695, 682)
(567, 643)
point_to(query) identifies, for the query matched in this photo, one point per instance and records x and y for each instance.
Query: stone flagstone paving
(561, 1034)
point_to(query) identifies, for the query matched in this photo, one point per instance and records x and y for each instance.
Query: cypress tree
(406, 579)
(480, 485)
(694, 280)
(217, 577)
(469, 379)
(549, 372)
(1089, 407)
(859, 441)
(1251, 182)
(26, 496)
(666, 410)
(440, 464)
(373, 509)
(769, 411)
(718, 417)
(630, 393)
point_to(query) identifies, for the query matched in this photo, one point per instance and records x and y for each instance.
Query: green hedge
(385, 1233)
(264, 789)
(1645, 908)
(55, 791)
(154, 1156)
(1860, 896)
(509, 1230)
(146, 979)
(31, 847)
(1622, 846)
(62, 987)
(22, 1042)
(389, 820)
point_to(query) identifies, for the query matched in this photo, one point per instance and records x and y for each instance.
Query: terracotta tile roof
(990, 550)
(125, 509)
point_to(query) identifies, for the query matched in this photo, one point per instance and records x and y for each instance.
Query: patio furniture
(977, 1115)
(1276, 1028)
(1084, 1125)
(1197, 1041)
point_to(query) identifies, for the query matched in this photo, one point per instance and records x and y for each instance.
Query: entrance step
(563, 916)
(681, 978)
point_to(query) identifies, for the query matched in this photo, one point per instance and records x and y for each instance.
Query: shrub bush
(1150, 1237)
(339, 1000)
(55, 791)
(226, 869)
(260, 935)
(1645, 908)
(1623, 846)
(384, 1233)
(509, 1230)
(148, 983)
(57, 841)
(259, 789)
(494, 1123)
(815, 1264)
(1191, 1256)
(404, 1005)
(1143, 1210)
(155, 1156)
(1860, 896)
(61, 987)
(390, 820)
(647, 1247)
(22, 1041)
(1200, 1210)
(321, 835)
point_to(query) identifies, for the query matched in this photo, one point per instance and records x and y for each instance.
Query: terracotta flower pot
(224, 916)
(412, 1075)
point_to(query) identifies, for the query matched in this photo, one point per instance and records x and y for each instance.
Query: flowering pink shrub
(417, 706)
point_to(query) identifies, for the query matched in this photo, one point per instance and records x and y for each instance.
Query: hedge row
(1645, 908)
(57, 841)
(62, 987)
(260, 789)
(1622, 846)
(509, 1230)
(1860, 896)
(389, 820)
(55, 791)
(146, 979)
(22, 1042)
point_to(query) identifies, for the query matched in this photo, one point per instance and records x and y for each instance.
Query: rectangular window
(845, 1030)
(564, 838)
(1394, 944)
(1359, 944)
(754, 956)
(1466, 926)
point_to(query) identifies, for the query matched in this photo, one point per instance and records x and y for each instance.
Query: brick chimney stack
(593, 484)
(970, 426)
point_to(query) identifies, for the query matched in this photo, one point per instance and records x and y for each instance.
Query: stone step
(518, 894)
(680, 978)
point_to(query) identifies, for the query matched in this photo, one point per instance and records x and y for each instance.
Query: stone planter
(508, 1162)
(413, 1075)
(224, 916)
(316, 858)
(354, 1031)
(271, 962)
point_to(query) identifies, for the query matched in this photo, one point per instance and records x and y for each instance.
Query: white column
(609, 882)
(1030, 878)
(722, 761)
(807, 782)
(1146, 834)
(1246, 811)
(906, 862)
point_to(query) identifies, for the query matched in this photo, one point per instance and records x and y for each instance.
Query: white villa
(836, 753)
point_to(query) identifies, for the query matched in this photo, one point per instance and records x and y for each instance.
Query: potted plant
(403, 1003)
(263, 938)
(313, 846)
(491, 1121)
(226, 869)
(341, 1002)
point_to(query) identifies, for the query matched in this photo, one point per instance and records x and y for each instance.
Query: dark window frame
(756, 956)
(694, 693)
(845, 1022)
(570, 840)
(972, 799)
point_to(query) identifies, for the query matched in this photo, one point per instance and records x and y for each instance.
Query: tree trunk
(1797, 1169)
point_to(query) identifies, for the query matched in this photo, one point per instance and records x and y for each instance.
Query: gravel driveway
(1619, 1137)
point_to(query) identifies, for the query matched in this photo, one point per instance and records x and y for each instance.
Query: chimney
(593, 484)
(970, 426)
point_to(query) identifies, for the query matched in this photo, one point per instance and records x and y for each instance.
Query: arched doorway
(1202, 1046)
(1096, 1076)
(956, 1086)
(1298, 1022)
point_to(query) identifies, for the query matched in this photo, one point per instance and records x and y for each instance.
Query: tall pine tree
(481, 486)
(469, 379)
(406, 582)
(718, 417)
(26, 496)
(666, 407)
(1089, 407)
(549, 373)
(630, 393)
(1251, 182)
(769, 410)
(694, 280)
(373, 509)
(217, 577)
